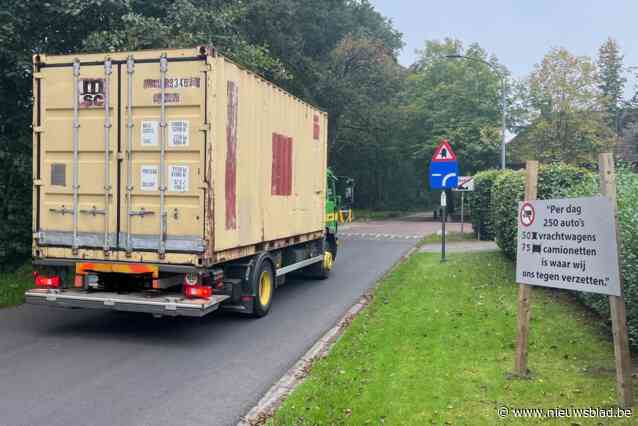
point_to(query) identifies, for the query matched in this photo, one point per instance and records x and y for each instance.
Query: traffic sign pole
(444, 174)
(462, 197)
(443, 220)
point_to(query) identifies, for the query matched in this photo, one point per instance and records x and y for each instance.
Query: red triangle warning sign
(444, 152)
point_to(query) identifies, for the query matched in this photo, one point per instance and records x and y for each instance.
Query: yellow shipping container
(171, 157)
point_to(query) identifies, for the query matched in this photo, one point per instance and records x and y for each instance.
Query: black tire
(331, 241)
(264, 283)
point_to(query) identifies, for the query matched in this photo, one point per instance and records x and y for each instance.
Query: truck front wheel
(322, 269)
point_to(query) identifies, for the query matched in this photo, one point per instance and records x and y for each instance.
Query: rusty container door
(77, 156)
(164, 135)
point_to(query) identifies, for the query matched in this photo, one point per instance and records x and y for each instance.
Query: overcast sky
(518, 32)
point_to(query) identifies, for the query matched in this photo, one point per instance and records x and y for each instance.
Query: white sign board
(466, 183)
(178, 179)
(150, 132)
(148, 178)
(568, 243)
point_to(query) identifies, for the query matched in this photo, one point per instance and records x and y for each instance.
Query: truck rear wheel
(264, 285)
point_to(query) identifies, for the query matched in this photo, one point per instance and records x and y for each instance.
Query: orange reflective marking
(120, 268)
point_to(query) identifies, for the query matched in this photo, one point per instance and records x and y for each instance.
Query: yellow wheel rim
(265, 288)
(327, 260)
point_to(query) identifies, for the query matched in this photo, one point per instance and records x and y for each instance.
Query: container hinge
(38, 129)
(93, 211)
(130, 70)
(205, 127)
(38, 75)
(63, 210)
(37, 182)
(162, 172)
(76, 152)
(108, 70)
(141, 212)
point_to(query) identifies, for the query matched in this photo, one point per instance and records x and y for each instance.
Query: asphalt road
(63, 367)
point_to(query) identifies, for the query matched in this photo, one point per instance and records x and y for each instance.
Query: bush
(627, 195)
(508, 190)
(480, 202)
(554, 181)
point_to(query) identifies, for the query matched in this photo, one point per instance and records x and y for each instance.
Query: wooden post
(622, 356)
(524, 290)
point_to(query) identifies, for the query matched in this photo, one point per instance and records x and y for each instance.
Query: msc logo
(91, 92)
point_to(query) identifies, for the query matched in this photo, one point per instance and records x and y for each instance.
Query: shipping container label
(178, 179)
(150, 131)
(169, 98)
(173, 83)
(178, 133)
(149, 178)
(91, 92)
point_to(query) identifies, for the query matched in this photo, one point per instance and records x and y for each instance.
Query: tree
(456, 99)
(187, 23)
(562, 110)
(362, 86)
(612, 80)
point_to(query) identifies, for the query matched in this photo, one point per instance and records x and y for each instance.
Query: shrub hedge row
(480, 202)
(554, 181)
(562, 181)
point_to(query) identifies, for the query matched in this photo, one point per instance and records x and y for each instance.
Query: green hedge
(508, 190)
(560, 181)
(480, 202)
(627, 193)
(554, 181)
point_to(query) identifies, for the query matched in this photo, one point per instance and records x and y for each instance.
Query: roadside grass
(14, 284)
(364, 215)
(451, 237)
(436, 346)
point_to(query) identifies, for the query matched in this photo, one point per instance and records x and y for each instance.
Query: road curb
(277, 394)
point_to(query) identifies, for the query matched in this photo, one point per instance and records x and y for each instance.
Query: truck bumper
(165, 305)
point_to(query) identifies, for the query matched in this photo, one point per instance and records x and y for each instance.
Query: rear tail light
(79, 281)
(193, 289)
(46, 282)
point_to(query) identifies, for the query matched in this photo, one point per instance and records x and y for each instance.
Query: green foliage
(458, 100)
(554, 181)
(559, 107)
(612, 81)
(187, 23)
(627, 187)
(507, 191)
(627, 198)
(480, 202)
(14, 284)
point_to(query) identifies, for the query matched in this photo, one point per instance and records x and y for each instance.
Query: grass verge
(14, 284)
(451, 237)
(364, 215)
(436, 347)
